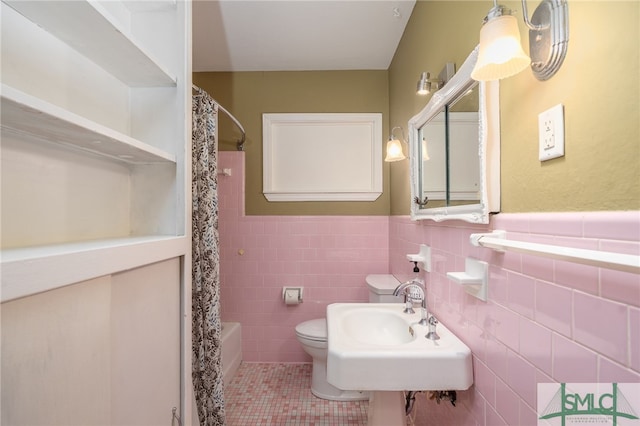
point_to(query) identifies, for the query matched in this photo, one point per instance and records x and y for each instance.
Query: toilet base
(325, 390)
(342, 396)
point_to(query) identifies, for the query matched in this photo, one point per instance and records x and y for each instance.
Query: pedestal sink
(377, 347)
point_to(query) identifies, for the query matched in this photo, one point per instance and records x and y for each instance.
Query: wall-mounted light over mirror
(424, 85)
(454, 151)
(427, 85)
(501, 53)
(394, 147)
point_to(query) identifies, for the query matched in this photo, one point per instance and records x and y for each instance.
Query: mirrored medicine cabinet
(454, 151)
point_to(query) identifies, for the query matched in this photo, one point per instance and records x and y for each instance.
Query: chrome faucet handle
(423, 317)
(432, 334)
(408, 306)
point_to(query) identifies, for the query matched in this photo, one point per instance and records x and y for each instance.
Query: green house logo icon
(589, 407)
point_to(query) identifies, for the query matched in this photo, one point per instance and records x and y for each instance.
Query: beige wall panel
(52, 195)
(55, 357)
(145, 344)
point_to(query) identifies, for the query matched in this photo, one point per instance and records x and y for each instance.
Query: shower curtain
(206, 334)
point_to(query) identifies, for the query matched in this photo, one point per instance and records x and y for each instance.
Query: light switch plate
(551, 133)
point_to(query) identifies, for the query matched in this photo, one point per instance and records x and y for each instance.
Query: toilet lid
(315, 329)
(383, 284)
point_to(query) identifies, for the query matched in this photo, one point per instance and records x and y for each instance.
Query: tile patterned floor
(279, 395)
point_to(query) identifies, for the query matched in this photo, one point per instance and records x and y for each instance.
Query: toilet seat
(315, 330)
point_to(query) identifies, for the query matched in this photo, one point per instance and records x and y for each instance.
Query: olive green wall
(250, 94)
(598, 84)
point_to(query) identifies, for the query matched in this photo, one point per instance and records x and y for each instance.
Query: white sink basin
(377, 347)
(376, 327)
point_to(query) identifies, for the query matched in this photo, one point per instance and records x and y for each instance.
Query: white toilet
(312, 335)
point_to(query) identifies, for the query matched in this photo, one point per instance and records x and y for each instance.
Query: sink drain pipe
(410, 398)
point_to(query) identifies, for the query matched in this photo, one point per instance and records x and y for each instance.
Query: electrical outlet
(548, 137)
(551, 133)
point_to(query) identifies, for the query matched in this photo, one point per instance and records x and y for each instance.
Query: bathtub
(231, 349)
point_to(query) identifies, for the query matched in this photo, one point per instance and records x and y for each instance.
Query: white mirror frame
(488, 147)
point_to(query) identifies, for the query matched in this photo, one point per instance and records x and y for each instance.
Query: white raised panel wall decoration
(322, 157)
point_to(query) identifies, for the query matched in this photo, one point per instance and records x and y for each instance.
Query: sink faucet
(412, 292)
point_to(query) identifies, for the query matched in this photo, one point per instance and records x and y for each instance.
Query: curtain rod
(240, 143)
(602, 259)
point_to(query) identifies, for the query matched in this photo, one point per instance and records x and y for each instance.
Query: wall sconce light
(394, 147)
(501, 53)
(426, 85)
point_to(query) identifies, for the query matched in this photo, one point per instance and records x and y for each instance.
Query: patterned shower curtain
(206, 335)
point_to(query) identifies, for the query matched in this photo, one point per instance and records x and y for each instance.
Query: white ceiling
(297, 35)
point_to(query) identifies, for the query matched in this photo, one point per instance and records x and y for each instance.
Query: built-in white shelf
(95, 121)
(89, 29)
(150, 5)
(34, 117)
(32, 270)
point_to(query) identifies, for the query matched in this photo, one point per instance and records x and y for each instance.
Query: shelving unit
(30, 271)
(91, 47)
(96, 157)
(89, 28)
(30, 117)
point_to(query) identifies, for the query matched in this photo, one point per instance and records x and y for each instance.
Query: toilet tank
(381, 288)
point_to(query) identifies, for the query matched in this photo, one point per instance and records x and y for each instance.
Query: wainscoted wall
(545, 320)
(329, 256)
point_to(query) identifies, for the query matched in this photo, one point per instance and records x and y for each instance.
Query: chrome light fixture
(426, 84)
(394, 147)
(501, 54)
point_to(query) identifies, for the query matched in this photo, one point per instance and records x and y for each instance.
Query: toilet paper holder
(292, 295)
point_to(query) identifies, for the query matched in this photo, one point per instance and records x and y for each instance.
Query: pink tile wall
(545, 320)
(329, 256)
